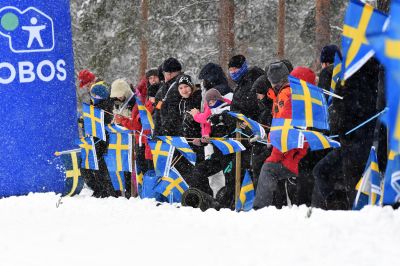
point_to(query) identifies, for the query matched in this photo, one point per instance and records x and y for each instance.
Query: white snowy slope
(89, 231)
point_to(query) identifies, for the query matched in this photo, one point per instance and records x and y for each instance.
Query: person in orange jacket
(277, 180)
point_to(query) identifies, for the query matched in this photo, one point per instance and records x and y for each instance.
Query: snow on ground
(89, 231)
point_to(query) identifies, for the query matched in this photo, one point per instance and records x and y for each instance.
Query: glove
(197, 142)
(215, 119)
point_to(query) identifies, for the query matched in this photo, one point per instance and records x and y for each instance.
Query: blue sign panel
(37, 94)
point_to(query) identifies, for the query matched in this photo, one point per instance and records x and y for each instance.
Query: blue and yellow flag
(139, 178)
(145, 116)
(182, 146)
(228, 146)
(73, 181)
(117, 180)
(119, 153)
(360, 19)
(309, 107)
(337, 75)
(88, 153)
(93, 120)
(254, 126)
(387, 49)
(247, 194)
(391, 187)
(114, 128)
(319, 141)
(283, 136)
(162, 156)
(366, 194)
(172, 186)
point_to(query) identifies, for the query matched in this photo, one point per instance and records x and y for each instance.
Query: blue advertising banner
(37, 94)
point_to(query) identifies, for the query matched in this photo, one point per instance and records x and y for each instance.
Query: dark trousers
(275, 183)
(99, 180)
(328, 177)
(200, 173)
(259, 154)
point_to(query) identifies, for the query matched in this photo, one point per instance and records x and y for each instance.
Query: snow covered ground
(89, 231)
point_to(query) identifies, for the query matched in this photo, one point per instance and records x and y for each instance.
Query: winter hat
(237, 61)
(288, 64)
(171, 65)
(305, 74)
(152, 72)
(261, 85)
(152, 90)
(85, 77)
(277, 72)
(213, 94)
(328, 53)
(120, 88)
(100, 90)
(185, 79)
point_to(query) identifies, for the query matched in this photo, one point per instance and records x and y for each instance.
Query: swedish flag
(318, 141)
(360, 19)
(247, 195)
(228, 146)
(182, 146)
(309, 106)
(366, 194)
(93, 119)
(172, 186)
(114, 128)
(119, 153)
(284, 137)
(162, 156)
(88, 154)
(255, 127)
(145, 116)
(387, 49)
(117, 180)
(139, 178)
(337, 75)
(391, 191)
(74, 181)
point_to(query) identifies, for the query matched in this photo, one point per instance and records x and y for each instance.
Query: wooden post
(281, 29)
(144, 44)
(238, 170)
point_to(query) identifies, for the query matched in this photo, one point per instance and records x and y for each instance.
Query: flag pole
(238, 169)
(134, 192)
(58, 153)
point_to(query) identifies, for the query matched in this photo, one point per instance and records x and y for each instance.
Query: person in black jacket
(213, 77)
(98, 180)
(244, 98)
(167, 100)
(337, 174)
(261, 151)
(327, 59)
(221, 125)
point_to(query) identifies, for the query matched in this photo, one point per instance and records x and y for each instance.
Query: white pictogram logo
(27, 31)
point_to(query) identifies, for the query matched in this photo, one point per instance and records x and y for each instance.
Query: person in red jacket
(277, 180)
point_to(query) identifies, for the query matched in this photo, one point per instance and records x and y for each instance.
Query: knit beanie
(152, 90)
(152, 72)
(305, 74)
(261, 85)
(120, 88)
(171, 65)
(85, 77)
(277, 72)
(213, 94)
(237, 61)
(328, 54)
(185, 79)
